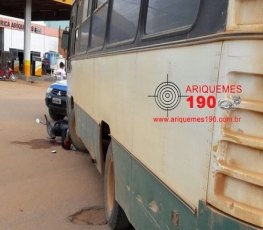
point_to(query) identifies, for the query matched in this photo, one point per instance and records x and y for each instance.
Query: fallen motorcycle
(58, 129)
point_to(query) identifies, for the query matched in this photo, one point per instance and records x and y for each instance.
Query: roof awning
(69, 2)
(42, 10)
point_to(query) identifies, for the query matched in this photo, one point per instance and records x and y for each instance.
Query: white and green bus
(167, 97)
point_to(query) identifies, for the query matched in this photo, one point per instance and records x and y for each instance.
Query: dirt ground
(39, 189)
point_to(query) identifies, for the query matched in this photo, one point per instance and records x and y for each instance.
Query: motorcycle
(58, 129)
(7, 74)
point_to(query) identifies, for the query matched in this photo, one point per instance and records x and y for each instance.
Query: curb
(35, 78)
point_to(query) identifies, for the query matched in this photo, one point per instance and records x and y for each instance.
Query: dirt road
(39, 189)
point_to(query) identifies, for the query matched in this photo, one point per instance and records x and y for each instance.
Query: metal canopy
(42, 10)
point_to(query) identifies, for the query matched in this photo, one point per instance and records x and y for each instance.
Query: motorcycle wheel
(12, 77)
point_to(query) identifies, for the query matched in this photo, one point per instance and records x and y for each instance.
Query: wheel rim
(110, 188)
(13, 78)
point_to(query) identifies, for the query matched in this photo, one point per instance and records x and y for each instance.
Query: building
(43, 39)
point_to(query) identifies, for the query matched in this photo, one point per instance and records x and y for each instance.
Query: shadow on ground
(36, 143)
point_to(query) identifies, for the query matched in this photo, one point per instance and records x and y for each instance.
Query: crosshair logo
(167, 96)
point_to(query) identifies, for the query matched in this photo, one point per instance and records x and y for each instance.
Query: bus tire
(115, 215)
(78, 144)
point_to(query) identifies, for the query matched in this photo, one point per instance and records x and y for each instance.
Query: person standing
(61, 73)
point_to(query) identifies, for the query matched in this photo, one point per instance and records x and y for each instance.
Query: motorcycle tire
(12, 77)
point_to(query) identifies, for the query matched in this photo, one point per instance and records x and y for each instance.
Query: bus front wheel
(73, 134)
(114, 213)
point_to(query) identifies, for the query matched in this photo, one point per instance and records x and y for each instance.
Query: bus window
(124, 20)
(79, 13)
(74, 10)
(170, 15)
(86, 10)
(85, 27)
(84, 36)
(76, 47)
(78, 22)
(98, 3)
(99, 20)
(71, 30)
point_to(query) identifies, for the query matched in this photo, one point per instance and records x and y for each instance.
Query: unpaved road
(38, 189)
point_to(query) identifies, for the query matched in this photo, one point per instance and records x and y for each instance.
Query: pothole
(90, 216)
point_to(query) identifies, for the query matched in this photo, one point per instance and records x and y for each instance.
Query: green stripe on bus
(149, 204)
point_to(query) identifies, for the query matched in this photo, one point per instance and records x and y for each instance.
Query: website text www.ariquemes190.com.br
(195, 119)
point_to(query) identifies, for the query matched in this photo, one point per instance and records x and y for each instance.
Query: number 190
(202, 102)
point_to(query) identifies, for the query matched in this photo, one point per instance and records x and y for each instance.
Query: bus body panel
(245, 16)
(165, 150)
(92, 136)
(236, 174)
(149, 204)
(184, 180)
(159, 146)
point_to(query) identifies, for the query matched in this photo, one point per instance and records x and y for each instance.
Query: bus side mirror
(64, 42)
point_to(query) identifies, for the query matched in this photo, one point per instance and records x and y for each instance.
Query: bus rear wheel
(73, 134)
(114, 213)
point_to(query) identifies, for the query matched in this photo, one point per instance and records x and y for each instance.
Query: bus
(167, 98)
(51, 61)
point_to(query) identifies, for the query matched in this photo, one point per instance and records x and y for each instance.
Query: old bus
(167, 97)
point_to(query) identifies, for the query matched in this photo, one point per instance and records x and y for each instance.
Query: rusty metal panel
(245, 15)
(236, 172)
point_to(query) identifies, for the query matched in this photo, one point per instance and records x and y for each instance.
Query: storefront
(43, 39)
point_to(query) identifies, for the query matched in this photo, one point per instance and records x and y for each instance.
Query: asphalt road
(39, 189)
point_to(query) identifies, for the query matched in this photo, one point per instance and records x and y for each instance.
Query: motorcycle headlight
(49, 89)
